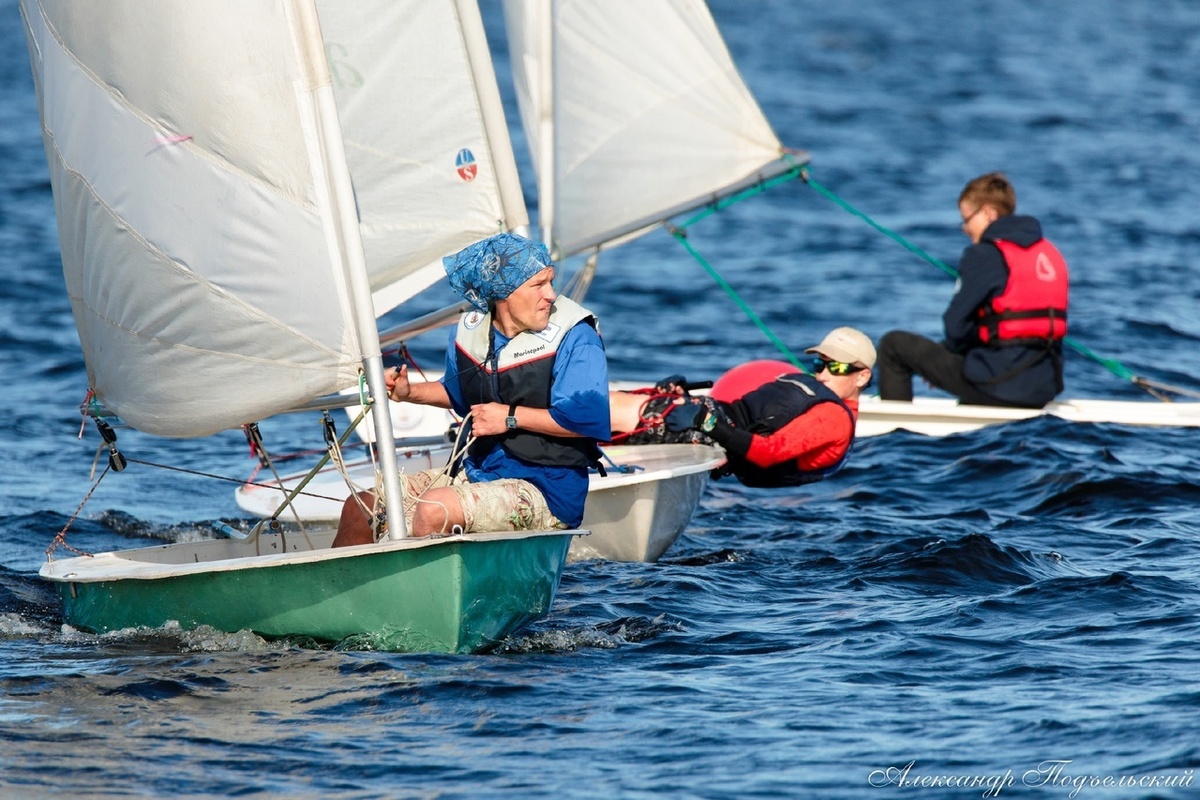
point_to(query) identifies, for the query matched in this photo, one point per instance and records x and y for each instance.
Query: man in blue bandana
(529, 369)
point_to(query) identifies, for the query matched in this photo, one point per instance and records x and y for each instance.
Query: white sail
(634, 112)
(200, 248)
(415, 91)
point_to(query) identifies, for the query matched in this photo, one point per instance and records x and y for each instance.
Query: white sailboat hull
(638, 516)
(632, 516)
(935, 416)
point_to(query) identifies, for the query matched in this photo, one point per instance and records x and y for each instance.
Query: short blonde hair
(993, 190)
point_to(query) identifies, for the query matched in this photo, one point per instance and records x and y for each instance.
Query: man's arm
(401, 390)
(817, 437)
(579, 395)
(489, 419)
(982, 275)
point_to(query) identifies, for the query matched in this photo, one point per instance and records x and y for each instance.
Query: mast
(350, 247)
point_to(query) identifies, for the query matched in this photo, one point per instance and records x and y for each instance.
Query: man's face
(844, 386)
(975, 220)
(529, 304)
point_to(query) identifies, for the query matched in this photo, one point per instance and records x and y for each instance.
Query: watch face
(511, 422)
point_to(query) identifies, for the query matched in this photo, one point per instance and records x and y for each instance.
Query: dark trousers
(903, 354)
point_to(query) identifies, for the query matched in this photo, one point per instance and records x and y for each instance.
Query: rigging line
(722, 203)
(60, 540)
(239, 481)
(1112, 365)
(1153, 386)
(266, 457)
(312, 473)
(681, 235)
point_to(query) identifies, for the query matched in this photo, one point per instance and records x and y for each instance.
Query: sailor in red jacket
(779, 426)
(1006, 323)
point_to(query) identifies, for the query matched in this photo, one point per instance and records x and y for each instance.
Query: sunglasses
(835, 367)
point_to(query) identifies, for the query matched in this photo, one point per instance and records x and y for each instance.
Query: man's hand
(396, 381)
(686, 417)
(487, 419)
(672, 384)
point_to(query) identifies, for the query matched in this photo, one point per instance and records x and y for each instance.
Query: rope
(680, 234)
(1112, 365)
(722, 203)
(238, 481)
(645, 422)
(376, 516)
(257, 444)
(622, 469)
(458, 451)
(60, 539)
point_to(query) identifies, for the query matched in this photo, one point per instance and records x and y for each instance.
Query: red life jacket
(1033, 306)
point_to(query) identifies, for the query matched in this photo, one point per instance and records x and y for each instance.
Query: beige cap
(847, 344)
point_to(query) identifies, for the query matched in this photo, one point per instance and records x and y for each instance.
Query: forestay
(200, 246)
(634, 112)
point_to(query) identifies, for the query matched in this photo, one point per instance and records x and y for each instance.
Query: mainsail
(634, 112)
(202, 252)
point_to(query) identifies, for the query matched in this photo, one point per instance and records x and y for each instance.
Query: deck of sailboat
(231, 555)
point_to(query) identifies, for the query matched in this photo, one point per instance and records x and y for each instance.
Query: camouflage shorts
(501, 505)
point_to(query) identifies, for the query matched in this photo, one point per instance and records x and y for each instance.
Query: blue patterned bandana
(493, 268)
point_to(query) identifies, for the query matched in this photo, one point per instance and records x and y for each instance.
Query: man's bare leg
(354, 526)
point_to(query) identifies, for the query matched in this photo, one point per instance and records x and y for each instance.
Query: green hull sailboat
(459, 594)
(242, 190)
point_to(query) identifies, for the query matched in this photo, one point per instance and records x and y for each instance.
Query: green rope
(797, 171)
(949, 270)
(1112, 365)
(680, 234)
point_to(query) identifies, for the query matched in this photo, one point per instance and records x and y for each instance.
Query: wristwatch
(510, 421)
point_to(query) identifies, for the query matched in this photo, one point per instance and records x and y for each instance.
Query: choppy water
(979, 607)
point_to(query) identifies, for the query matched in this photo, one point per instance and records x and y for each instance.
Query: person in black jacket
(1005, 324)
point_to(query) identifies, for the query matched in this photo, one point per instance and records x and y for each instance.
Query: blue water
(1013, 609)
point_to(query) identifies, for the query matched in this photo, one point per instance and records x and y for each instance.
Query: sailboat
(231, 228)
(634, 113)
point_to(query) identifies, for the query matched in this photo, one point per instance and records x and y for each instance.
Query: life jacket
(768, 409)
(1033, 306)
(520, 374)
